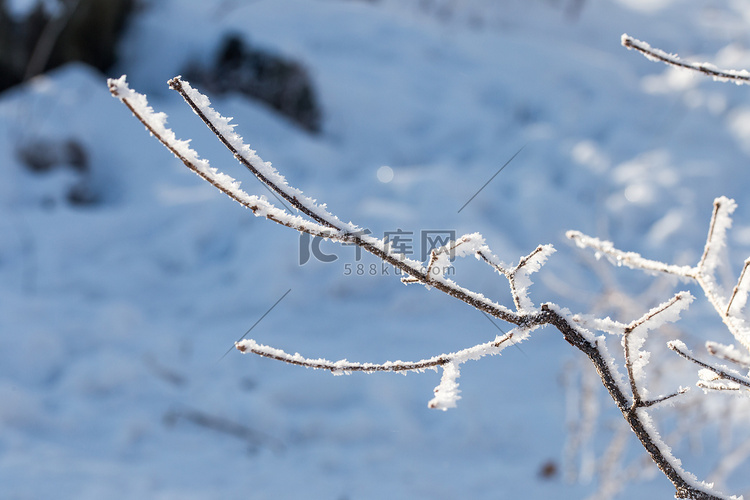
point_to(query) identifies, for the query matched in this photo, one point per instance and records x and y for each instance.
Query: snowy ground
(115, 317)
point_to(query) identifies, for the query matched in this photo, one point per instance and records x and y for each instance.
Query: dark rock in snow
(282, 84)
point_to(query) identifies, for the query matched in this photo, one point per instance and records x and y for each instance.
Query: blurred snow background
(116, 307)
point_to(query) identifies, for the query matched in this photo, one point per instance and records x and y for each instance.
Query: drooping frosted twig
(447, 392)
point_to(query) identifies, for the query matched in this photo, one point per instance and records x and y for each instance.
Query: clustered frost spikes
(577, 331)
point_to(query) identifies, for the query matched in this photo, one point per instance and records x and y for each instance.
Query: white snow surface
(115, 317)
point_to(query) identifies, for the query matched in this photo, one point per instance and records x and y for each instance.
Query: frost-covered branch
(718, 375)
(634, 337)
(155, 123)
(264, 171)
(729, 353)
(740, 291)
(446, 394)
(741, 77)
(630, 398)
(518, 277)
(633, 260)
(704, 273)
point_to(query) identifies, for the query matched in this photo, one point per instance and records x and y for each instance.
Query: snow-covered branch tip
(518, 276)
(316, 220)
(714, 377)
(446, 393)
(728, 353)
(740, 77)
(155, 123)
(338, 367)
(740, 292)
(633, 260)
(721, 221)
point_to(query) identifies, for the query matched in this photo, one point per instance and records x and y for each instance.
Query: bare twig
(583, 409)
(49, 36)
(730, 461)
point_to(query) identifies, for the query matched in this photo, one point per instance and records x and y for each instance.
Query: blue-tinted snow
(114, 318)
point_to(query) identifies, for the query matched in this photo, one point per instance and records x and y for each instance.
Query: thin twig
(525, 260)
(247, 201)
(722, 372)
(344, 366)
(652, 402)
(710, 238)
(48, 38)
(632, 260)
(176, 83)
(702, 273)
(739, 77)
(738, 286)
(419, 274)
(497, 267)
(728, 353)
(630, 361)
